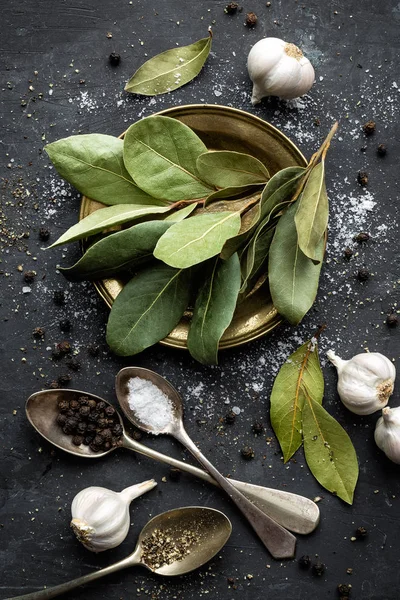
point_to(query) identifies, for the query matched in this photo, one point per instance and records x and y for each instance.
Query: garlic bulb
(100, 517)
(387, 433)
(278, 68)
(365, 381)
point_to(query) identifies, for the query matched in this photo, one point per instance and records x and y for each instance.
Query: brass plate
(225, 128)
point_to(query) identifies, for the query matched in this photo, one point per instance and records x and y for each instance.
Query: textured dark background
(53, 45)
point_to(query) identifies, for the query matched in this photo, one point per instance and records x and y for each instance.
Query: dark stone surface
(355, 50)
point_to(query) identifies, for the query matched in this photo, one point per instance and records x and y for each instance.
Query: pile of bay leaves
(185, 226)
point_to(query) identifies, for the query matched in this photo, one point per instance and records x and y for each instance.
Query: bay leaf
(280, 188)
(182, 213)
(196, 239)
(214, 308)
(160, 153)
(248, 222)
(224, 168)
(329, 451)
(170, 69)
(300, 375)
(120, 252)
(147, 309)
(104, 218)
(293, 277)
(93, 164)
(312, 212)
(254, 260)
(232, 193)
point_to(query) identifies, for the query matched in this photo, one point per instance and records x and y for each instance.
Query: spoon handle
(63, 588)
(292, 511)
(280, 542)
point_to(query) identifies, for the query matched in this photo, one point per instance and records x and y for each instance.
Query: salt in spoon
(209, 530)
(280, 542)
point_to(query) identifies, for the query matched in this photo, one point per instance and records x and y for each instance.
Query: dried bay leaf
(170, 69)
(120, 252)
(329, 451)
(312, 212)
(148, 308)
(293, 277)
(232, 193)
(249, 221)
(160, 153)
(280, 188)
(104, 218)
(93, 164)
(254, 259)
(197, 238)
(182, 213)
(224, 168)
(214, 308)
(300, 375)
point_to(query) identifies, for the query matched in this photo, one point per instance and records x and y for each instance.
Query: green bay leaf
(293, 277)
(280, 188)
(104, 218)
(232, 193)
(300, 375)
(254, 259)
(249, 221)
(312, 212)
(197, 238)
(160, 153)
(93, 164)
(120, 252)
(170, 69)
(214, 308)
(147, 309)
(182, 213)
(224, 168)
(329, 451)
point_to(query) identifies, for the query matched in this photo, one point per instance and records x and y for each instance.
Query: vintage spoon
(295, 512)
(207, 530)
(280, 542)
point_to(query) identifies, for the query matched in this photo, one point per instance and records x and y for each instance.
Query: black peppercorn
(63, 406)
(362, 178)
(102, 423)
(258, 428)
(369, 127)
(92, 403)
(61, 420)
(91, 427)
(175, 474)
(381, 150)
(29, 276)
(101, 405)
(93, 447)
(59, 297)
(64, 347)
(318, 568)
(361, 532)
(344, 590)
(38, 333)
(83, 400)
(362, 275)
(392, 320)
(74, 404)
(53, 385)
(64, 379)
(348, 253)
(88, 439)
(251, 19)
(106, 434)
(98, 440)
(65, 325)
(231, 8)
(44, 234)
(74, 364)
(70, 425)
(114, 59)
(230, 417)
(247, 452)
(84, 411)
(117, 430)
(77, 440)
(110, 411)
(304, 562)
(362, 237)
(81, 427)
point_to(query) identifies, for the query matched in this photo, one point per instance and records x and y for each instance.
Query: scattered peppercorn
(29, 276)
(64, 379)
(44, 234)
(361, 532)
(369, 127)
(362, 237)
(318, 568)
(381, 150)
(74, 364)
(362, 178)
(38, 332)
(392, 320)
(247, 452)
(344, 590)
(175, 474)
(231, 8)
(59, 297)
(305, 561)
(362, 275)
(258, 428)
(65, 325)
(64, 347)
(251, 19)
(348, 253)
(230, 417)
(53, 385)
(114, 59)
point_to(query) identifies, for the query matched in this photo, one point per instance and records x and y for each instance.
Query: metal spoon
(210, 531)
(280, 542)
(292, 511)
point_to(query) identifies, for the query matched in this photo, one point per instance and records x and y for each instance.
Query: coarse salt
(151, 406)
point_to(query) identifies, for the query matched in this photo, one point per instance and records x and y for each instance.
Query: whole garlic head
(100, 517)
(365, 382)
(387, 433)
(278, 68)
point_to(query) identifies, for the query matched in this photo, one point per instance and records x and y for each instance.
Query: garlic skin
(278, 68)
(100, 517)
(365, 382)
(387, 433)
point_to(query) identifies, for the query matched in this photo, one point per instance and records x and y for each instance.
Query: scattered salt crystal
(26, 290)
(217, 93)
(151, 406)
(236, 410)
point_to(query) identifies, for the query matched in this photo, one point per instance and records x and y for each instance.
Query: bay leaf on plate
(214, 308)
(254, 259)
(182, 213)
(312, 212)
(104, 218)
(293, 277)
(300, 375)
(160, 153)
(280, 188)
(148, 308)
(93, 163)
(120, 252)
(196, 239)
(249, 221)
(329, 451)
(170, 69)
(233, 193)
(224, 168)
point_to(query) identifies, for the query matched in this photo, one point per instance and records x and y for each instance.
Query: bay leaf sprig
(298, 417)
